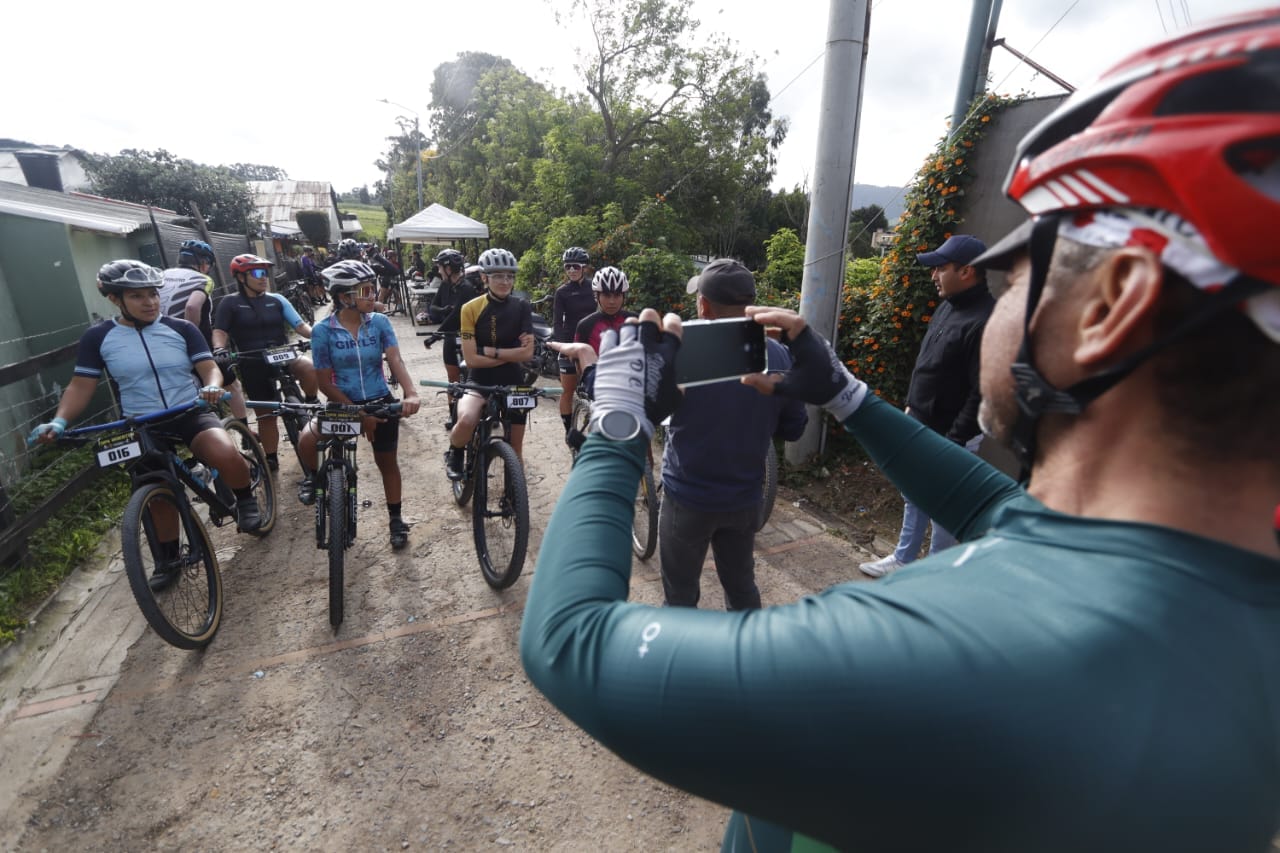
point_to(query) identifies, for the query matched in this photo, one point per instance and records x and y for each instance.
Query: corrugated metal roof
(278, 201)
(91, 212)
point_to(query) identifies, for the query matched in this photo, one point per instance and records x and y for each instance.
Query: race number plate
(280, 355)
(117, 450)
(339, 423)
(521, 401)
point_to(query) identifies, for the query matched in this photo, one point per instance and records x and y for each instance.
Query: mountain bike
(277, 360)
(644, 520)
(495, 478)
(429, 339)
(299, 297)
(187, 611)
(338, 426)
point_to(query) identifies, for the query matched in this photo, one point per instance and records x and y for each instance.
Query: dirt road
(410, 727)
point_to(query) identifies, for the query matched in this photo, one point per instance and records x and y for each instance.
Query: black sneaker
(273, 462)
(306, 491)
(164, 574)
(248, 515)
(399, 533)
(453, 463)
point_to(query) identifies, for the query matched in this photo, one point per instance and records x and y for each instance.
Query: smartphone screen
(718, 350)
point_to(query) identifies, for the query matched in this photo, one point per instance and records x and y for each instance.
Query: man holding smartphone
(713, 465)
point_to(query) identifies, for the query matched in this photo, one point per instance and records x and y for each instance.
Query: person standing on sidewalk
(714, 461)
(944, 393)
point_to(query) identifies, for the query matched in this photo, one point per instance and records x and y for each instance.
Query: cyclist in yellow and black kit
(497, 335)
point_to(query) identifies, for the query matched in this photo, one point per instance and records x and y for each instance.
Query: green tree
(160, 179)
(863, 224)
(315, 225)
(255, 172)
(785, 261)
(658, 279)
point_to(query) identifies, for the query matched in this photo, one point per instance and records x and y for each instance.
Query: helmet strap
(1036, 396)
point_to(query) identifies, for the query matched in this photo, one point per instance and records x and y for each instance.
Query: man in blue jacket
(713, 465)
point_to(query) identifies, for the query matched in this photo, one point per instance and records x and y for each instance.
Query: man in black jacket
(944, 393)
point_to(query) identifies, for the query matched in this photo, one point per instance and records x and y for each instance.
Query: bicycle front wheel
(187, 610)
(644, 524)
(264, 489)
(579, 422)
(337, 497)
(500, 515)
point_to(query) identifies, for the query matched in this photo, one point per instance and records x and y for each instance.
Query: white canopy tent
(437, 224)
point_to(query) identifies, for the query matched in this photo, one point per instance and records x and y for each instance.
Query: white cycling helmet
(610, 280)
(346, 275)
(497, 260)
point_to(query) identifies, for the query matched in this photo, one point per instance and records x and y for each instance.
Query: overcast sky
(284, 84)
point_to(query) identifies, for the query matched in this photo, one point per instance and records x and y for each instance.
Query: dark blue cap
(960, 249)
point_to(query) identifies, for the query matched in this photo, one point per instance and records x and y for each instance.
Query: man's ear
(704, 309)
(1120, 308)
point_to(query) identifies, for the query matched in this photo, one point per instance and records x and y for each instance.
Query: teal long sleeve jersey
(1052, 683)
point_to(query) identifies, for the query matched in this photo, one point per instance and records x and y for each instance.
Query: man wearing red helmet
(1096, 665)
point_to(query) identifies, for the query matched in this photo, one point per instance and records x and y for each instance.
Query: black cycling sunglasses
(573, 266)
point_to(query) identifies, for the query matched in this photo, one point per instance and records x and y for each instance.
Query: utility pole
(417, 138)
(848, 25)
(982, 24)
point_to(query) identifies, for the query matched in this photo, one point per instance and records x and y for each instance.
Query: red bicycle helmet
(244, 263)
(1190, 126)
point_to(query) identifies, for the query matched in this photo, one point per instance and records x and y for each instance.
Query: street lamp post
(417, 138)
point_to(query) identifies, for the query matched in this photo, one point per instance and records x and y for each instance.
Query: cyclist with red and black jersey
(610, 286)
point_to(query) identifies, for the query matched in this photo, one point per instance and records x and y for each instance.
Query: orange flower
(926, 318)
(951, 211)
(959, 161)
(925, 202)
(986, 119)
(932, 304)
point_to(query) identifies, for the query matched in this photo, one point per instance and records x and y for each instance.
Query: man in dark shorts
(573, 300)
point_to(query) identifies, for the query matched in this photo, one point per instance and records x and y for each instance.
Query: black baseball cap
(725, 282)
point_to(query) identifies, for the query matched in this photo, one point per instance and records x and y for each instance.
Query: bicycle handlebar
(491, 389)
(300, 346)
(134, 420)
(377, 409)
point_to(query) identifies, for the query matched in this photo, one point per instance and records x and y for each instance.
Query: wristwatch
(616, 425)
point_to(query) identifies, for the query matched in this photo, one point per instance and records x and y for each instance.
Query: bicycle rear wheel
(770, 495)
(500, 515)
(337, 497)
(187, 612)
(301, 302)
(264, 488)
(644, 524)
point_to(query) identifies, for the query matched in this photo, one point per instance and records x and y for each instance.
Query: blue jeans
(914, 521)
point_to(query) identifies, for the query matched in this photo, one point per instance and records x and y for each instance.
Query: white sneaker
(882, 567)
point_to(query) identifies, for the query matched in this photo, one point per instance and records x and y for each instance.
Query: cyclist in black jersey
(497, 336)
(256, 319)
(573, 301)
(186, 293)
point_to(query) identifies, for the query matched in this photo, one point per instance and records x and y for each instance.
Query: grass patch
(63, 542)
(373, 220)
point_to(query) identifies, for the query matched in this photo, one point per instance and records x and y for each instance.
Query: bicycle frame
(166, 465)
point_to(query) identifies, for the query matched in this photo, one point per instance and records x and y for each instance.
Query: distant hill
(889, 198)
